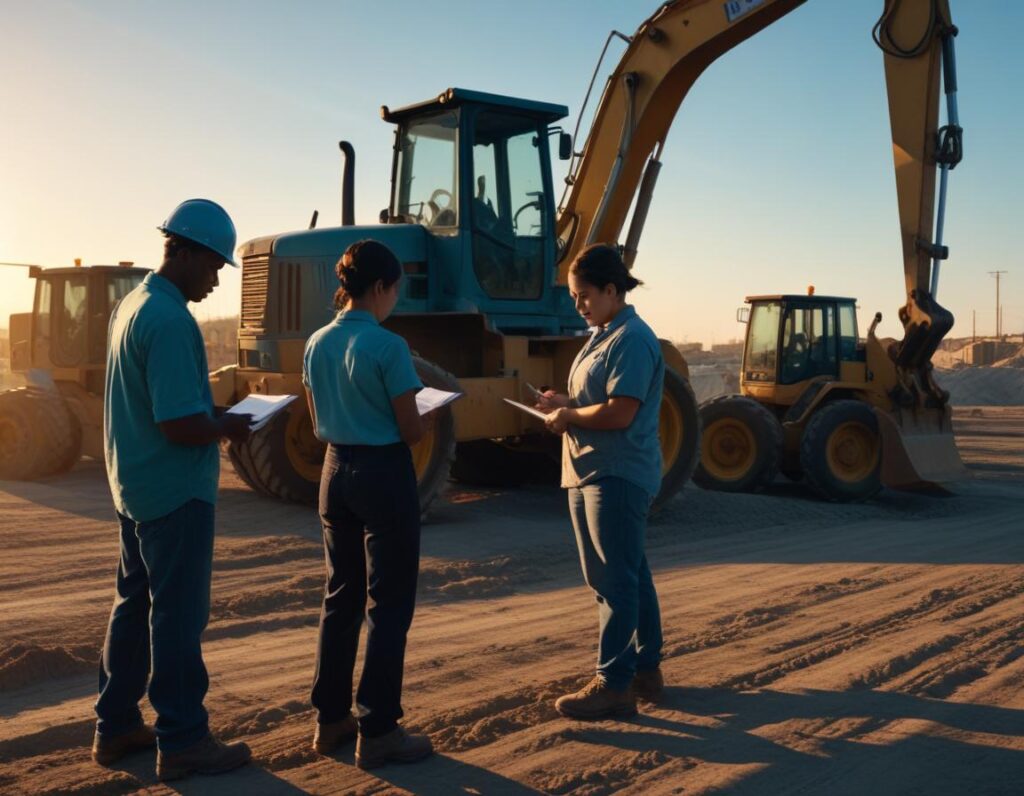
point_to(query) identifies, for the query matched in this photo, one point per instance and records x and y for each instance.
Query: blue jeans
(370, 512)
(160, 611)
(610, 520)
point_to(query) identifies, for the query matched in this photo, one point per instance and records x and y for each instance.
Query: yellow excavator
(484, 304)
(818, 403)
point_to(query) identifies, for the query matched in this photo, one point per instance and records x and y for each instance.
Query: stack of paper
(524, 408)
(428, 399)
(261, 407)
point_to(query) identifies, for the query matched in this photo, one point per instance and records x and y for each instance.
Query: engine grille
(255, 278)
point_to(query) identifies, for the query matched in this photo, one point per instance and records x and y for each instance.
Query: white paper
(524, 408)
(428, 399)
(261, 407)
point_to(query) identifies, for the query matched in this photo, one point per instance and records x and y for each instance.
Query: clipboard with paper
(528, 409)
(429, 398)
(261, 407)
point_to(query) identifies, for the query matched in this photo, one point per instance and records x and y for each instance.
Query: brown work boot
(108, 750)
(209, 756)
(396, 746)
(597, 701)
(334, 734)
(649, 685)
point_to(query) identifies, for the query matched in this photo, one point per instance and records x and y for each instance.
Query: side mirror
(743, 314)
(384, 216)
(564, 146)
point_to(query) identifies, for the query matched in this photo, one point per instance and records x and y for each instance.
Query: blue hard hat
(206, 223)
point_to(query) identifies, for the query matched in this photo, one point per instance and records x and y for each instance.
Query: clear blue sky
(778, 170)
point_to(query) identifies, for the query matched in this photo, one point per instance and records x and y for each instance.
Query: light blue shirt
(156, 371)
(354, 368)
(623, 359)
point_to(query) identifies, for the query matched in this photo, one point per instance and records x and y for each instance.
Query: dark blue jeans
(610, 520)
(370, 511)
(161, 609)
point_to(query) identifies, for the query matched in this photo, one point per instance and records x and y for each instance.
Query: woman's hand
(558, 420)
(550, 400)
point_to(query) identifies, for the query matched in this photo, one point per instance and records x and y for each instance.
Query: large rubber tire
(679, 432)
(284, 459)
(39, 437)
(741, 447)
(841, 451)
(483, 462)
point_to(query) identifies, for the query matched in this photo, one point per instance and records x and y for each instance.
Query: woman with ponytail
(361, 388)
(611, 467)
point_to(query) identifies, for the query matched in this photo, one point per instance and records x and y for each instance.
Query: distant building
(728, 350)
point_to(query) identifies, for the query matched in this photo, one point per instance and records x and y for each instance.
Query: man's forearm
(610, 416)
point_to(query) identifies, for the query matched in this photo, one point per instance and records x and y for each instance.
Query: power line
(999, 313)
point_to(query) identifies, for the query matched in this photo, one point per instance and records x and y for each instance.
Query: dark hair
(362, 264)
(601, 264)
(175, 245)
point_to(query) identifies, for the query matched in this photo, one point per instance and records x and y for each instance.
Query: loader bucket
(918, 449)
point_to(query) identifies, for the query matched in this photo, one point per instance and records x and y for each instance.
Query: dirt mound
(1015, 361)
(1002, 386)
(24, 664)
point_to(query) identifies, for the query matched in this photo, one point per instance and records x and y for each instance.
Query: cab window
(509, 210)
(848, 334)
(107, 291)
(809, 343)
(427, 191)
(71, 321)
(762, 347)
(43, 325)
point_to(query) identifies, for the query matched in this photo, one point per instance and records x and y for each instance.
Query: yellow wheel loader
(816, 402)
(60, 348)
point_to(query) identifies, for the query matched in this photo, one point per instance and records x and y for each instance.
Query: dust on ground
(810, 647)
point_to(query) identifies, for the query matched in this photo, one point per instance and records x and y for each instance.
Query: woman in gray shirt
(611, 467)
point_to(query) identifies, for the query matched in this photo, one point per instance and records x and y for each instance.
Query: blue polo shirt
(623, 359)
(353, 368)
(156, 371)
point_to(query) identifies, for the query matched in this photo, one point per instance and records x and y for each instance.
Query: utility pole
(999, 330)
(974, 326)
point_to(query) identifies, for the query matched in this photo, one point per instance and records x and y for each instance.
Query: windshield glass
(427, 191)
(509, 212)
(762, 342)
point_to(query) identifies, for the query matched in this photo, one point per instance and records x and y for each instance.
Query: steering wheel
(435, 209)
(437, 194)
(537, 202)
(527, 206)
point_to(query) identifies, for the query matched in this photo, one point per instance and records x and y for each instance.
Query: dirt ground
(810, 648)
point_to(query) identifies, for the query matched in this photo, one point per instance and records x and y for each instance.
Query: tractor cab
(474, 171)
(67, 328)
(794, 338)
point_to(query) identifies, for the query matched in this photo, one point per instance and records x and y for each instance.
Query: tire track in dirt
(617, 771)
(993, 596)
(746, 624)
(25, 663)
(487, 720)
(848, 636)
(982, 652)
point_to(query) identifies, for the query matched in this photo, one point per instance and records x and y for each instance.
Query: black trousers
(370, 512)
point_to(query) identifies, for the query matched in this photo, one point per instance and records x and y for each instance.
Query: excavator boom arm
(665, 56)
(671, 49)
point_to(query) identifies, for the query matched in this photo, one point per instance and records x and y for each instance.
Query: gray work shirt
(623, 359)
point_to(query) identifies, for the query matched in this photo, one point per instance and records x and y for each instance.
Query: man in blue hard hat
(161, 434)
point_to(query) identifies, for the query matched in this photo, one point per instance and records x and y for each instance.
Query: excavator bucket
(918, 449)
